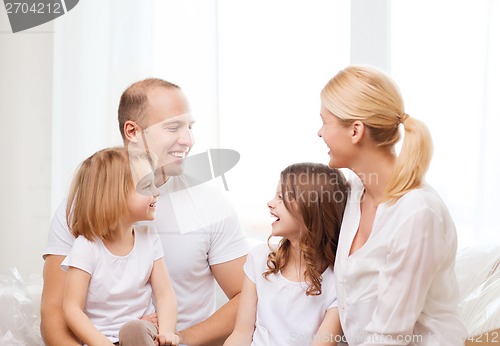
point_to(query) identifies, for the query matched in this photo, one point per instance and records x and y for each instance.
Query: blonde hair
(316, 195)
(98, 196)
(370, 96)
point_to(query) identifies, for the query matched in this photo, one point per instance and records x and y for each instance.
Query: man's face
(169, 130)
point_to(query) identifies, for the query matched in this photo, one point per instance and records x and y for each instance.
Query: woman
(394, 268)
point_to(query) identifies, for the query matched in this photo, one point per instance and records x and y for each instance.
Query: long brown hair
(316, 194)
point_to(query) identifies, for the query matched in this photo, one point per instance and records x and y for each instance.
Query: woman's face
(337, 138)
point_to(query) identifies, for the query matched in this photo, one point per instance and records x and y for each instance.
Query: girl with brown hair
(288, 295)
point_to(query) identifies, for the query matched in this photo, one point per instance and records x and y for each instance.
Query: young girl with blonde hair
(288, 295)
(395, 262)
(115, 266)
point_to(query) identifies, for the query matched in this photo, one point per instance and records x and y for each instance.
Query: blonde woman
(394, 268)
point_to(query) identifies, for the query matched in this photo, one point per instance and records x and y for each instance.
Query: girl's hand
(167, 339)
(153, 318)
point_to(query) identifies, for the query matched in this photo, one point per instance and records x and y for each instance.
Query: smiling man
(200, 232)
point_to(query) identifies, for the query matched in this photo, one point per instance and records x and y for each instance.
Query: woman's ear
(131, 130)
(358, 130)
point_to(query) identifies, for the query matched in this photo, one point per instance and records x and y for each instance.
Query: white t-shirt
(285, 314)
(400, 288)
(197, 227)
(119, 289)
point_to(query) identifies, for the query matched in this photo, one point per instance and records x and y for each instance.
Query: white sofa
(478, 274)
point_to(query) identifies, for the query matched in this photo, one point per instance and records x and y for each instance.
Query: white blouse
(400, 287)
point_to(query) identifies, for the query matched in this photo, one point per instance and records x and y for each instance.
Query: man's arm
(219, 326)
(53, 326)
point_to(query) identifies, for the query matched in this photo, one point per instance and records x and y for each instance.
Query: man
(200, 233)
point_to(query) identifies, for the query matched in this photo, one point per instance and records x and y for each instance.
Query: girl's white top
(119, 289)
(400, 287)
(285, 314)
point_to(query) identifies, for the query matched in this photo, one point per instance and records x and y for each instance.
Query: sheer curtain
(488, 184)
(100, 47)
(446, 59)
(253, 71)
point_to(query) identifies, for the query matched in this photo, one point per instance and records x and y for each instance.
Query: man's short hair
(134, 101)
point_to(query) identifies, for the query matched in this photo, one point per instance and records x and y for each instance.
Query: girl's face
(337, 138)
(141, 201)
(285, 225)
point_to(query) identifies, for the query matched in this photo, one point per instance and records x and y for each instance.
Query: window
(254, 71)
(445, 57)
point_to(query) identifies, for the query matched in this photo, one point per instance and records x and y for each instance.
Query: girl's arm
(75, 295)
(245, 320)
(166, 304)
(329, 331)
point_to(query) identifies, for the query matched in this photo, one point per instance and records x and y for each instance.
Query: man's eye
(172, 129)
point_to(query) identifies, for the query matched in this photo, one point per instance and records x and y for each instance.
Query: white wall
(25, 115)
(370, 33)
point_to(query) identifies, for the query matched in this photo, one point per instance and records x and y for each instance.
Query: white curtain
(488, 185)
(446, 59)
(100, 47)
(253, 71)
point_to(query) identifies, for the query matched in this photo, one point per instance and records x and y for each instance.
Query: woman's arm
(166, 303)
(75, 295)
(329, 331)
(245, 319)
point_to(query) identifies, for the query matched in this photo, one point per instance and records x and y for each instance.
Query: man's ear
(358, 130)
(131, 131)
